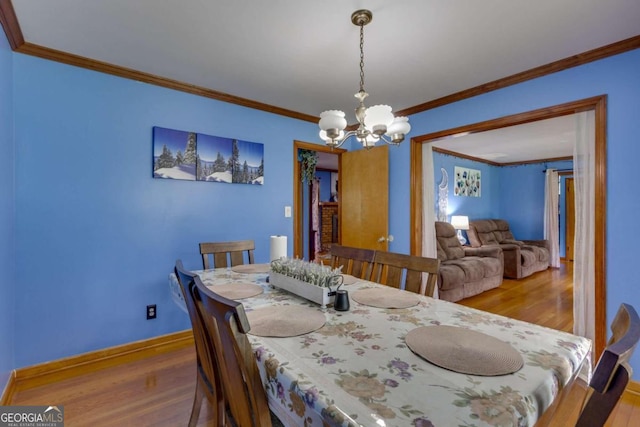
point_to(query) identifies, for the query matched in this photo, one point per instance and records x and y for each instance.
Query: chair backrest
(226, 254)
(405, 271)
(357, 262)
(206, 361)
(612, 372)
(226, 326)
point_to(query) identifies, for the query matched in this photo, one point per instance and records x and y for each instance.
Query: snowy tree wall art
(248, 162)
(214, 153)
(199, 157)
(174, 154)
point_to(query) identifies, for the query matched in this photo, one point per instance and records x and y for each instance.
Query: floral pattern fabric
(358, 371)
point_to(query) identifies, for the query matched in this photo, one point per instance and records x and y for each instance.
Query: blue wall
(96, 235)
(522, 201)
(7, 216)
(485, 206)
(619, 78)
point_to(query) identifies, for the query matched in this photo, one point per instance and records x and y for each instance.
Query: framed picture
(174, 154)
(467, 182)
(198, 157)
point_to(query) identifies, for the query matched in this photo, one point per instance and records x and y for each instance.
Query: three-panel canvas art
(198, 157)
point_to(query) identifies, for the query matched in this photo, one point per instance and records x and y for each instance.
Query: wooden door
(570, 215)
(364, 198)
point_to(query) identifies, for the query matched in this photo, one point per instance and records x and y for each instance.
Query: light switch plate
(287, 211)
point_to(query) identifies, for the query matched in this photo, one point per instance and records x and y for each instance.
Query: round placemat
(385, 297)
(464, 351)
(237, 290)
(251, 268)
(348, 279)
(284, 321)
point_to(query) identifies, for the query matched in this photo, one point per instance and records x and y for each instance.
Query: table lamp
(460, 222)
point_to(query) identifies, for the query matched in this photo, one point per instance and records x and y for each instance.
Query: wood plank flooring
(158, 391)
(544, 298)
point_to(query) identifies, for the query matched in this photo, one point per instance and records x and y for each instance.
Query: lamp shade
(332, 119)
(400, 125)
(378, 115)
(460, 222)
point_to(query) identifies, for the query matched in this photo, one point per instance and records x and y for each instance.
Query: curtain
(315, 217)
(584, 256)
(551, 232)
(429, 248)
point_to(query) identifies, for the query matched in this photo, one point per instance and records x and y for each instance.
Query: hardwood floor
(544, 298)
(158, 391)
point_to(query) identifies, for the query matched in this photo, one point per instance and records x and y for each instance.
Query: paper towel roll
(278, 247)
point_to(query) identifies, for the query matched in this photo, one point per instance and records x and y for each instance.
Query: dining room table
(397, 358)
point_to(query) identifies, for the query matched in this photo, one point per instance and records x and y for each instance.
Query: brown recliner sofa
(522, 258)
(465, 271)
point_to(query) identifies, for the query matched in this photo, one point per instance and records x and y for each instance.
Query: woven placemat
(237, 290)
(464, 351)
(251, 268)
(385, 297)
(284, 321)
(348, 279)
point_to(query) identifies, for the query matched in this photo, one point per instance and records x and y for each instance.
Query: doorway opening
(307, 237)
(598, 105)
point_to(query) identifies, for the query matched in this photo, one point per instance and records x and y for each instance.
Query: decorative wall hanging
(443, 196)
(199, 157)
(308, 160)
(467, 182)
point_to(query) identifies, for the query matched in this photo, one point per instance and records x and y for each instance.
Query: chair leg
(197, 404)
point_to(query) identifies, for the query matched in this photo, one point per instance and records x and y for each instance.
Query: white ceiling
(302, 55)
(543, 139)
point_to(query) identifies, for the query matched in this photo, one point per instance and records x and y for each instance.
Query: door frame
(596, 103)
(298, 232)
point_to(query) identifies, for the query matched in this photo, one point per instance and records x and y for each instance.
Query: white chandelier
(374, 123)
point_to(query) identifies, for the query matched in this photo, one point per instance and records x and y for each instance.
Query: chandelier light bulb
(327, 138)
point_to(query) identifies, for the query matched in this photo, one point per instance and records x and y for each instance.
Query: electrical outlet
(151, 311)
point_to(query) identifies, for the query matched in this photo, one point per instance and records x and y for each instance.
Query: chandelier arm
(346, 136)
(389, 141)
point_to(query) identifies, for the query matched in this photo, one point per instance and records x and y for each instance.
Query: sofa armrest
(484, 251)
(541, 243)
(512, 260)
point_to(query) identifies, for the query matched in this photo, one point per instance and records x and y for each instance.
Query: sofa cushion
(472, 267)
(451, 276)
(528, 256)
(491, 266)
(449, 246)
(491, 232)
(538, 253)
(459, 272)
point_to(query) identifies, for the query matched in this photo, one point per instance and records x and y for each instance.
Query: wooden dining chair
(207, 383)
(357, 262)
(226, 326)
(405, 271)
(612, 372)
(226, 254)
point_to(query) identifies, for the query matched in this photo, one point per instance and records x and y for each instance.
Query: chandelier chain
(361, 57)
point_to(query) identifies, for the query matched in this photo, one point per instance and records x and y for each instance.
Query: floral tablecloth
(357, 369)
